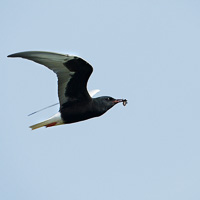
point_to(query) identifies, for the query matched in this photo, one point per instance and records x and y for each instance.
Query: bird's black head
(105, 103)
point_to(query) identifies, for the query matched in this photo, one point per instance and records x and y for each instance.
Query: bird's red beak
(120, 100)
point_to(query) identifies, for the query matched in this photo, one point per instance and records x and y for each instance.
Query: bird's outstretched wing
(72, 72)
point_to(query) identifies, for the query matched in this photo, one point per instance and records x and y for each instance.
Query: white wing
(93, 92)
(57, 63)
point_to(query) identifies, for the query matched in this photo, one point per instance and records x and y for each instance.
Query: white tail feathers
(52, 121)
(55, 119)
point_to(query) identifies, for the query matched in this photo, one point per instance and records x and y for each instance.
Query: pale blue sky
(145, 51)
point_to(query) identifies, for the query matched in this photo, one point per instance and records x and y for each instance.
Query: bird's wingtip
(20, 54)
(12, 55)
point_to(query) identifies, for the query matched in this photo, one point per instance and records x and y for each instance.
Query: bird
(76, 103)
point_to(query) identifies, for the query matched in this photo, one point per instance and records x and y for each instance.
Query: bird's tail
(52, 121)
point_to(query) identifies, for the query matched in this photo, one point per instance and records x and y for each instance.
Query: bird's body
(79, 111)
(76, 104)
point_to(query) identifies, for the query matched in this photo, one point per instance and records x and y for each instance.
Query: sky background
(145, 51)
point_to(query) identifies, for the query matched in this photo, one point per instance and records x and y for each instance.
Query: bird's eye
(108, 99)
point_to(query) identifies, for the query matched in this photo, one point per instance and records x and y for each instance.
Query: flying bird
(76, 103)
